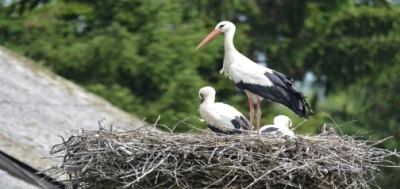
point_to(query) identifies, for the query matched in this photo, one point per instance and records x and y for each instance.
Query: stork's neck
(231, 54)
(229, 47)
(209, 100)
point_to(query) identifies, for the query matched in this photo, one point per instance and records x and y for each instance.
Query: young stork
(281, 126)
(219, 117)
(256, 80)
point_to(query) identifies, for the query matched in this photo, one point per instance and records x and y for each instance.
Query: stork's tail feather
(298, 100)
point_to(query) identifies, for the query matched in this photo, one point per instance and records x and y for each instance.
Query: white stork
(281, 126)
(256, 80)
(219, 117)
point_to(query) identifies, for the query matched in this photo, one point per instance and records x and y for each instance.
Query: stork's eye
(222, 25)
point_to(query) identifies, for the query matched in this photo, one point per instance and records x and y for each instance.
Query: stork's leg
(258, 114)
(251, 114)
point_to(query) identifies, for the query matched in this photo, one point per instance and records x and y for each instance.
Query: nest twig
(148, 159)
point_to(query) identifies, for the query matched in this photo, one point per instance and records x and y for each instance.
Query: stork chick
(220, 118)
(281, 126)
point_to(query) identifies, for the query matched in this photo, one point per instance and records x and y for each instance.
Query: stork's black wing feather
(268, 130)
(282, 91)
(240, 122)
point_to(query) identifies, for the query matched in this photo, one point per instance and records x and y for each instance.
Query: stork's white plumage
(219, 117)
(256, 80)
(281, 126)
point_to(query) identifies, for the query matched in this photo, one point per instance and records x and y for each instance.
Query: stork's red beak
(208, 38)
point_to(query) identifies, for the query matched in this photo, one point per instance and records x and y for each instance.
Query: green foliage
(140, 55)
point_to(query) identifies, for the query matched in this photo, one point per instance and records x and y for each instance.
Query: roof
(8, 181)
(22, 174)
(37, 106)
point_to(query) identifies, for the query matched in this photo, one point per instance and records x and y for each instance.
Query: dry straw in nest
(149, 159)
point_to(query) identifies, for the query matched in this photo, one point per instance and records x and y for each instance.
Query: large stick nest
(149, 159)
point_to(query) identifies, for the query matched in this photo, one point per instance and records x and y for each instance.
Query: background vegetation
(141, 56)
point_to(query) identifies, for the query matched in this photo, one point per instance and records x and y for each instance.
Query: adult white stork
(219, 117)
(257, 80)
(281, 126)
